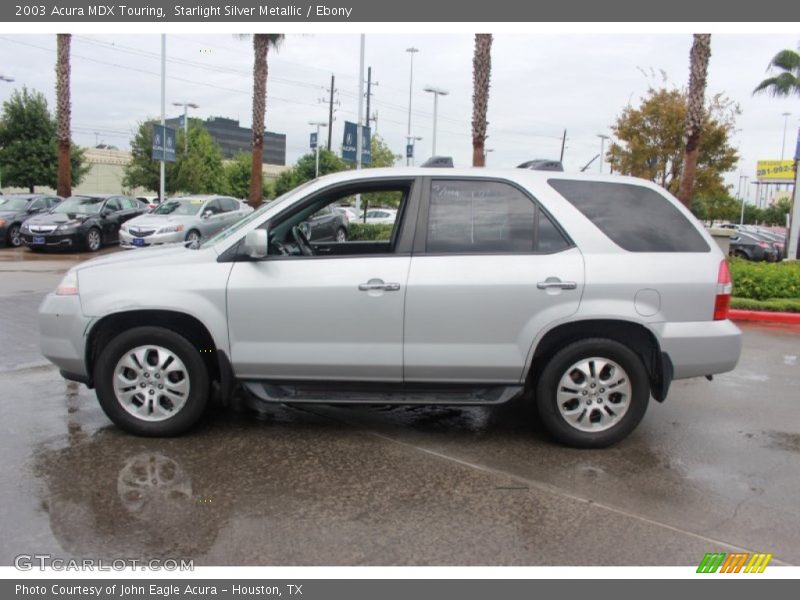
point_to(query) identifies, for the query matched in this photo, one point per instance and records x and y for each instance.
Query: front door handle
(555, 283)
(378, 284)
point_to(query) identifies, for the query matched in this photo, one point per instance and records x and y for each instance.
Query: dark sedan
(15, 209)
(751, 246)
(88, 222)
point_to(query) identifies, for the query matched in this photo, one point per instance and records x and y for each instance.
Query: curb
(764, 316)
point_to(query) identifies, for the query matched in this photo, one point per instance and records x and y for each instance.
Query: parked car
(376, 216)
(349, 213)
(15, 209)
(183, 219)
(326, 225)
(777, 240)
(150, 201)
(751, 246)
(84, 221)
(585, 295)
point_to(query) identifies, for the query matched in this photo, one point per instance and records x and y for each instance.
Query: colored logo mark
(736, 562)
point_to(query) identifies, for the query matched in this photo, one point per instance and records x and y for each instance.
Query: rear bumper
(700, 348)
(62, 328)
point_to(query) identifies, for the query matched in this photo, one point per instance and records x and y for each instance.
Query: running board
(389, 393)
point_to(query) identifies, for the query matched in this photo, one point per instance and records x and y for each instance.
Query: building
(234, 139)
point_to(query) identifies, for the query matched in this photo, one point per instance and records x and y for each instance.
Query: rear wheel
(741, 254)
(193, 238)
(592, 393)
(151, 381)
(341, 235)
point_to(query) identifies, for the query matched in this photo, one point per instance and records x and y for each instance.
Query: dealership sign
(777, 171)
(163, 143)
(349, 142)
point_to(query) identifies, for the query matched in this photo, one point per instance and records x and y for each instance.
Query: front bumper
(71, 239)
(126, 240)
(700, 348)
(62, 329)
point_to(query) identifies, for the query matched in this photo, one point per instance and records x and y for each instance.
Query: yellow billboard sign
(775, 170)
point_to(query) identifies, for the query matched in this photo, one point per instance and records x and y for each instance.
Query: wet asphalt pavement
(715, 468)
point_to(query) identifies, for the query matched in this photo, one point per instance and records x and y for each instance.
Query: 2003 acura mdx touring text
(593, 293)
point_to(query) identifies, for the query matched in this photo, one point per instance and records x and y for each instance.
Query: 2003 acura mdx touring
(594, 293)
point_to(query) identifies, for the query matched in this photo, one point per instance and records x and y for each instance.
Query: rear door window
(636, 218)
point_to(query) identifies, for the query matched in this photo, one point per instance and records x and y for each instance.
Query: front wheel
(93, 240)
(592, 393)
(13, 238)
(152, 382)
(193, 238)
(341, 235)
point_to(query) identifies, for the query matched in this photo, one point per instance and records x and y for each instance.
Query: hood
(151, 220)
(10, 214)
(159, 255)
(57, 218)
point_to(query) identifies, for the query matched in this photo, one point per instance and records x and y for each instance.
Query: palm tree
(63, 113)
(786, 83)
(481, 74)
(695, 114)
(261, 45)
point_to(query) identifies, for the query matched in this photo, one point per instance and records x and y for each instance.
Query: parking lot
(715, 468)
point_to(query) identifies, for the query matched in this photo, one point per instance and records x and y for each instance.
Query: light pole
(486, 154)
(436, 93)
(603, 137)
(411, 51)
(744, 197)
(785, 116)
(186, 106)
(412, 141)
(317, 124)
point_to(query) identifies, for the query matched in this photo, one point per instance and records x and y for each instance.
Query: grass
(773, 304)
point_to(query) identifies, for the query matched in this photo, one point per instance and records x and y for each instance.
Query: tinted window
(214, 206)
(486, 216)
(38, 204)
(229, 204)
(131, 204)
(79, 205)
(52, 202)
(634, 217)
(114, 204)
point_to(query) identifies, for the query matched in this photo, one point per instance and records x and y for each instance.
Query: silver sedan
(183, 219)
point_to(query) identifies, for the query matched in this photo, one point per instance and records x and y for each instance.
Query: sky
(541, 85)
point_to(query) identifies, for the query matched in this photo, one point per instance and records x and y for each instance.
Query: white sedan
(376, 216)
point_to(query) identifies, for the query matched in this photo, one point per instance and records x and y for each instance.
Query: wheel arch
(636, 336)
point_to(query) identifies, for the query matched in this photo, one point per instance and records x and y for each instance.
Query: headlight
(24, 227)
(124, 227)
(68, 285)
(3, 222)
(171, 229)
(68, 225)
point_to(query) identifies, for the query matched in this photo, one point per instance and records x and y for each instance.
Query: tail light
(724, 288)
(762, 244)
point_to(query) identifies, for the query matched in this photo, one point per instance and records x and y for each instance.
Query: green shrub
(365, 232)
(774, 304)
(762, 280)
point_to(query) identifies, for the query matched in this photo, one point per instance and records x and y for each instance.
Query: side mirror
(206, 214)
(256, 243)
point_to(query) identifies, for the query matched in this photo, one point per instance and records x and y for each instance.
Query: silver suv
(592, 293)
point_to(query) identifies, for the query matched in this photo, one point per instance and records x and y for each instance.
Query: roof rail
(542, 164)
(441, 162)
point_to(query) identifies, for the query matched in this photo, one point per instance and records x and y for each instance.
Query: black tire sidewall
(195, 405)
(550, 377)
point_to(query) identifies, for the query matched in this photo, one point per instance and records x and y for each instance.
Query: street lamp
(6, 78)
(186, 106)
(411, 51)
(436, 93)
(785, 116)
(603, 137)
(317, 124)
(412, 141)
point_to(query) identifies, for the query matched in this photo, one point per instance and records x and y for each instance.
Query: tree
(775, 214)
(786, 83)
(380, 153)
(649, 141)
(719, 207)
(63, 115)
(695, 114)
(481, 74)
(305, 170)
(28, 151)
(261, 45)
(237, 177)
(196, 171)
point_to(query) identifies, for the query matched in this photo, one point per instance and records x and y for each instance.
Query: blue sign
(163, 143)
(349, 148)
(797, 150)
(313, 141)
(409, 150)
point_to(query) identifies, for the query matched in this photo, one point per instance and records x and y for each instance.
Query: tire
(152, 414)
(741, 254)
(341, 235)
(193, 237)
(93, 240)
(594, 417)
(12, 236)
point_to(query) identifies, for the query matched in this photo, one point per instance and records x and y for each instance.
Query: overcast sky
(541, 84)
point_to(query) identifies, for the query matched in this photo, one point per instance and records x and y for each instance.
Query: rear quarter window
(636, 218)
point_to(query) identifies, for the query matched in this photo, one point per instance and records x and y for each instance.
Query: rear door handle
(555, 283)
(378, 284)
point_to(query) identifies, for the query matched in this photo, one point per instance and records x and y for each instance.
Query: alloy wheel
(594, 394)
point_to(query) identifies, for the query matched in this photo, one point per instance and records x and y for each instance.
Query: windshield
(268, 205)
(80, 204)
(13, 203)
(178, 207)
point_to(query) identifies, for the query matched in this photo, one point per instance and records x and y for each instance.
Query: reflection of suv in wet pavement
(592, 293)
